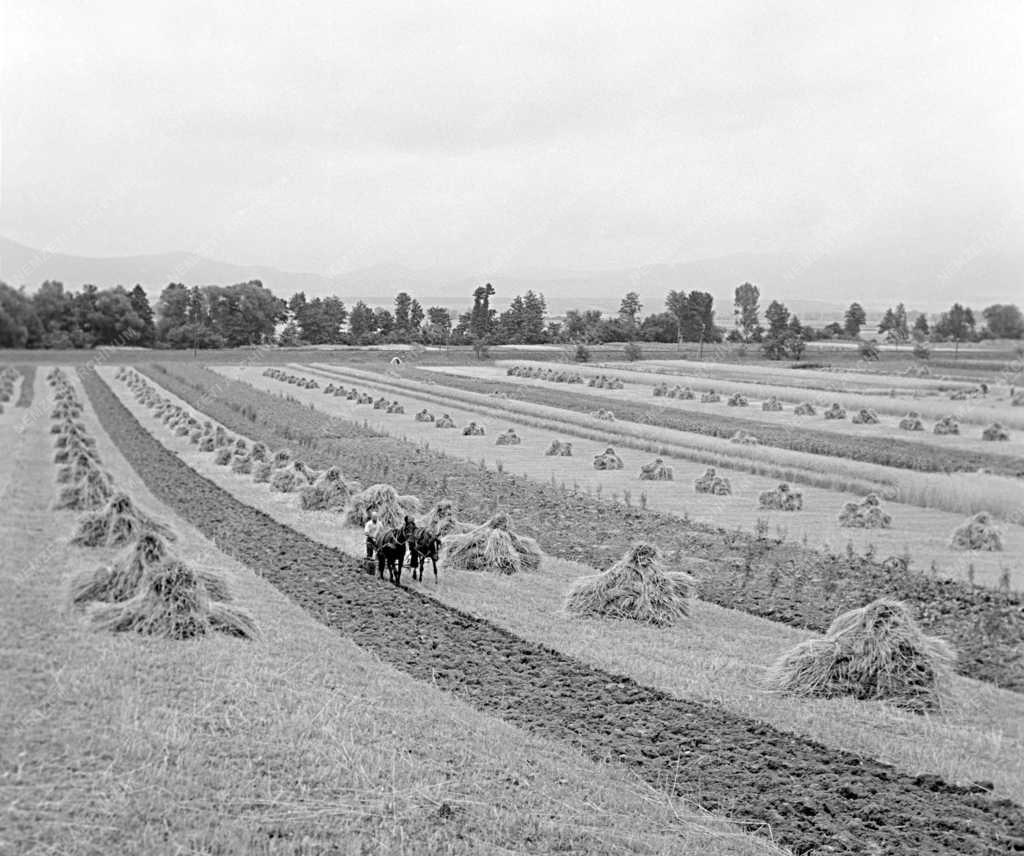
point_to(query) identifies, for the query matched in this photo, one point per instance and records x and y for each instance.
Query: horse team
(391, 546)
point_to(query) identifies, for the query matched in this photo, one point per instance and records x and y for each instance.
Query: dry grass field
(717, 654)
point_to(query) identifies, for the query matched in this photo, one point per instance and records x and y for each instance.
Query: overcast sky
(516, 136)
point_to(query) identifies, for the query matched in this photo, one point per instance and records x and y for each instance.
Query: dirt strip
(815, 800)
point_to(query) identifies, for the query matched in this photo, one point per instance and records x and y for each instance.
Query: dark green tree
(19, 325)
(140, 304)
(384, 321)
(629, 309)
(957, 324)
(439, 325)
(482, 318)
(362, 324)
(854, 320)
(746, 312)
(921, 327)
(775, 344)
(1004, 321)
(172, 309)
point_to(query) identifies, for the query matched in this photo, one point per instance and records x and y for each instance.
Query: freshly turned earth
(781, 581)
(815, 799)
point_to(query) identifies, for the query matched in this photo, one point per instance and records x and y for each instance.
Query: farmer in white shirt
(373, 530)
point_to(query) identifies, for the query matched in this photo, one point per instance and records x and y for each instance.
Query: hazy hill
(817, 289)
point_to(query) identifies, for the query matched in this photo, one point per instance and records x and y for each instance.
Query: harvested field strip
(811, 796)
(960, 494)
(976, 411)
(132, 746)
(717, 655)
(792, 466)
(781, 581)
(866, 382)
(28, 385)
(885, 445)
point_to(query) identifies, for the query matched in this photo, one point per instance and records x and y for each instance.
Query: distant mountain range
(817, 289)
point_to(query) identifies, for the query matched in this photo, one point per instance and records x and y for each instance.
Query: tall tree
(523, 322)
(361, 323)
(956, 324)
(630, 308)
(113, 320)
(1004, 321)
(172, 309)
(775, 341)
(54, 308)
(245, 313)
(921, 327)
(384, 321)
(319, 321)
(141, 307)
(582, 326)
(439, 325)
(894, 324)
(746, 311)
(482, 318)
(694, 314)
(416, 316)
(659, 327)
(19, 325)
(854, 320)
(902, 323)
(403, 303)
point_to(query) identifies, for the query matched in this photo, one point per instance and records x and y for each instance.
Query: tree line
(215, 316)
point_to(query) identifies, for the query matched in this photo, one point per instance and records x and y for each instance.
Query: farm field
(976, 411)
(718, 655)
(284, 744)
(856, 465)
(860, 377)
(944, 446)
(758, 574)
(920, 533)
(275, 550)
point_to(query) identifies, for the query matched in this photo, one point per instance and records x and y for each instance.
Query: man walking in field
(372, 530)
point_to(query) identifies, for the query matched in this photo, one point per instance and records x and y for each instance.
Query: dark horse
(391, 550)
(423, 545)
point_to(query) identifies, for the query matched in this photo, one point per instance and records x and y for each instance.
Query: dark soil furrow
(816, 800)
(781, 581)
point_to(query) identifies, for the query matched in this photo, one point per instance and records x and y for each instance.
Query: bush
(869, 350)
(582, 354)
(633, 351)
